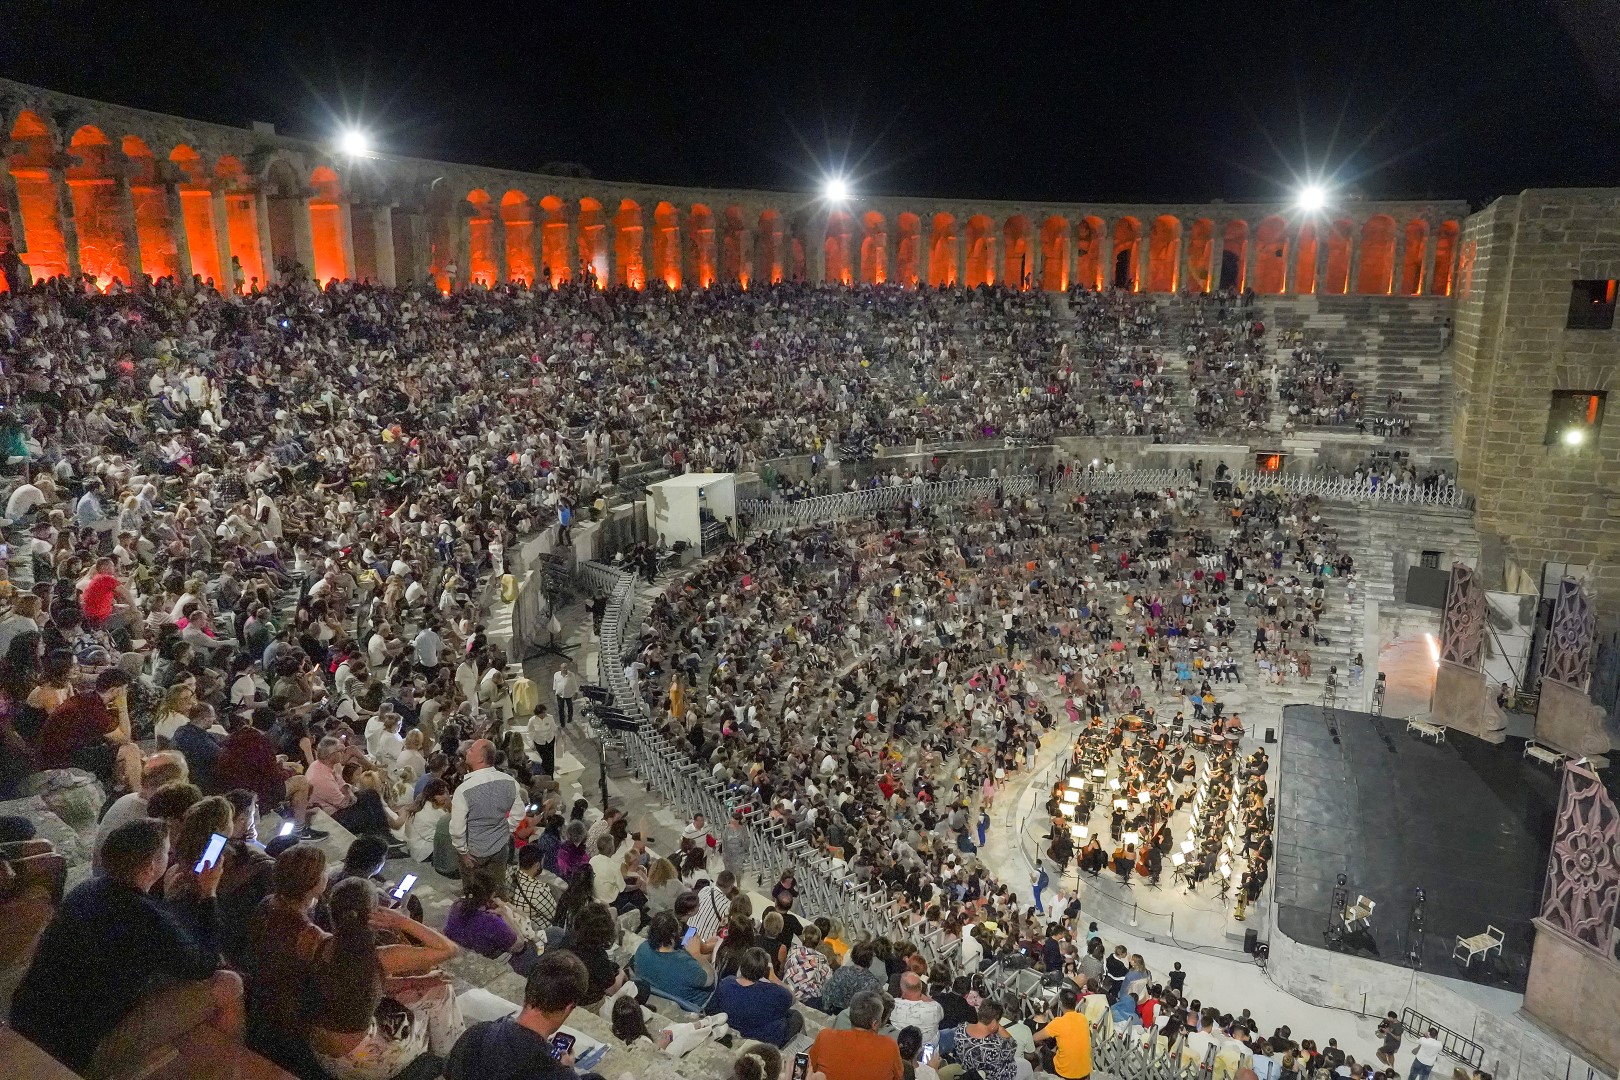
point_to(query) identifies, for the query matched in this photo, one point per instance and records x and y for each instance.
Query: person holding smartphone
(521, 1047)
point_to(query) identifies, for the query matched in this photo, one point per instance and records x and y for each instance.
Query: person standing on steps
(1391, 1030)
(564, 687)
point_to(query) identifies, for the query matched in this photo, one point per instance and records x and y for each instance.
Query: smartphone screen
(286, 829)
(403, 889)
(691, 932)
(211, 854)
(927, 1053)
(801, 1066)
(561, 1044)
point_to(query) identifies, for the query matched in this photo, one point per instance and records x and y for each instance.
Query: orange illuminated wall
(155, 232)
(839, 242)
(1200, 248)
(908, 257)
(556, 256)
(1054, 254)
(593, 240)
(1164, 254)
(981, 252)
(942, 268)
(481, 265)
(1336, 277)
(1018, 262)
(1235, 250)
(768, 245)
(1125, 268)
(1445, 254)
(1377, 255)
(1090, 238)
(241, 220)
(517, 217)
(700, 235)
(874, 248)
(627, 246)
(733, 261)
(1305, 261)
(667, 244)
(326, 226)
(1411, 281)
(197, 209)
(103, 247)
(36, 197)
(1270, 256)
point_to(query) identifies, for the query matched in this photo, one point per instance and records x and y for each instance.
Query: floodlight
(1574, 437)
(836, 189)
(1312, 198)
(354, 142)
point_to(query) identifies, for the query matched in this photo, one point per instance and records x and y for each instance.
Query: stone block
(1462, 702)
(1567, 720)
(1576, 993)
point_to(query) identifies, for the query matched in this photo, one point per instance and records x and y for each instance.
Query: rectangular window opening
(1591, 305)
(1575, 417)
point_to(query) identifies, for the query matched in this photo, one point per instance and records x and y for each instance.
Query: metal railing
(1348, 489)
(1465, 1050)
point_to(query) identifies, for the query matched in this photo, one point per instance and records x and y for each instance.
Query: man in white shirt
(564, 686)
(383, 740)
(1427, 1053)
(485, 810)
(428, 648)
(915, 1008)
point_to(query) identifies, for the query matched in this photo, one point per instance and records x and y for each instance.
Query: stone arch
(1377, 263)
(1164, 254)
(910, 251)
(593, 241)
(667, 245)
(1234, 255)
(1411, 281)
(768, 247)
(942, 248)
(197, 210)
(1091, 240)
(327, 227)
(1445, 256)
(1341, 242)
(1305, 260)
(1017, 257)
(92, 182)
(160, 256)
(33, 150)
(838, 245)
(517, 218)
(874, 248)
(1125, 259)
(1055, 254)
(733, 248)
(700, 245)
(482, 267)
(980, 263)
(1270, 256)
(1203, 274)
(556, 255)
(241, 220)
(629, 237)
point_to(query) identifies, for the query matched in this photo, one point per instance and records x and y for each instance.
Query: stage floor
(1468, 822)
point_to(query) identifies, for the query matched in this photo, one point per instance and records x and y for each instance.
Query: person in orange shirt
(1072, 1034)
(859, 1053)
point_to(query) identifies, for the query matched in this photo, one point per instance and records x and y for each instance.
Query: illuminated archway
(874, 248)
(1125, 265)
(1270, 256)
(667, 244)
(556, 254)
(980, 264)
(733, 248)
(93, 186)
(30, 163)
(1411, 281)
(1305, 261)
(628, 237)
(910, 252)
(700, 238)
(241, 220)
(1377, 256)
(1200, 253)
(327, 227)
(1234, 252)
(768, 247)
(593, 241)
(1445, 255)
(1055, 254)
(1341, 238)
(160, 256)
(1091, 244)
(1018, 266)
(197, 208)
(481, 265)
(839, 241)
(517, 217)
(942, 247)
(1164, 254)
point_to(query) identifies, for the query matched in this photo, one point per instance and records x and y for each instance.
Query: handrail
(1465, 1050)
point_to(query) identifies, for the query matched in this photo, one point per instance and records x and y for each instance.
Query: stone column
(66, 217)
(382, 229)
(267, 258)
(1324, 239)
(815, 248)
(220, 213)
(461, 243)
(303, 234)
(1037, 252)
(891, 250)
(12, 207)
(1431, 248)
(497, 246)
(960, 244)
(346, 227)
(1352, 285)
(125, 200)
(1397, 271)
(745, 253)
(1184, 274)
(176, 209)
(1290, 262)
(419, 258)
(1217, 248)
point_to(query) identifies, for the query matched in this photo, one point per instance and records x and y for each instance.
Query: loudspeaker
(1251, 938)
(1271, 735)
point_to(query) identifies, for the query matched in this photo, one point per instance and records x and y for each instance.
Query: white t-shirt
(1427, 1051)
(429, 646)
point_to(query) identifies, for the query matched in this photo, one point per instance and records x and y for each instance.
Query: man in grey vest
(484, 812)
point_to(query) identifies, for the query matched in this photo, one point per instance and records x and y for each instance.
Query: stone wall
(1543, 502)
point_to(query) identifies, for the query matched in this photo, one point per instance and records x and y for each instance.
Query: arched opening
(874, 248)
(1445, 255)
(1018, 266)
(1125, 267)
(1336, 278)
(1377, 256)
(30, 162)
(1270, 257)
(1305, 261)
(838, 244)
(283, 202)
(160, 255)
(942, 247)
(1200, 251)
(1234, 253)
(700, 237)
(1055, 254)
(1164, 254)
(241, 221)
(92, 185)
(981, 252)
(1091, 243)
(556, 258)
(517, 216)
(734, 248)
(327, 227)
(909, 253)
(1417, 237)
(197, 209)
(768, 261)
(593, 242)
(667, 244)
(482, 267)
(628, 234)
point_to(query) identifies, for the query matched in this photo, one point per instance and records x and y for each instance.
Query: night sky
(1063, 101)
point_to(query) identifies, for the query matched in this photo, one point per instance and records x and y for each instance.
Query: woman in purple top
(483, 924)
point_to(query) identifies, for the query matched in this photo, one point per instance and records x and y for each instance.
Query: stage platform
(1468, 822)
